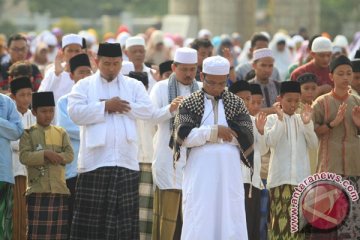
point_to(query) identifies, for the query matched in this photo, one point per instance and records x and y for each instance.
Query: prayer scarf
(190, 115)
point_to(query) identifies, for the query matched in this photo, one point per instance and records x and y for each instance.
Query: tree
(68, 25)
(8, 28)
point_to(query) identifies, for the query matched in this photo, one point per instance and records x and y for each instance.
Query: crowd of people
(153, 136)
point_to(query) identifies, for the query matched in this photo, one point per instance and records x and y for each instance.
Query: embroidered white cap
(262, 53)
(216, 65)
(134, 41)
(71, 39)
(185, 55)
(127, 67)
(321, 44)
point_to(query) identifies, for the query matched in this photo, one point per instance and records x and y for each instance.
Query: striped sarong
(47, 216)
(106, 205)
(280, 210)
(19, 209)
(6, 205)
(146, 194)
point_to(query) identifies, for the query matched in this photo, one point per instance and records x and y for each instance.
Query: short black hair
(198, 43)
(21, 69)
(15, 37)
(258, 37)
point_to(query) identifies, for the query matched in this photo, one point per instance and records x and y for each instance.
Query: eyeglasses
(214, 84)
(15, 49)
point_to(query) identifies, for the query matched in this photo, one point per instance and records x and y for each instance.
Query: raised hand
(58, 62)
(226, 133)
(228, 55)
(356, 115)
(340, 115)
(278, 110)
(92, 56)
(260, 122)
(306, 114)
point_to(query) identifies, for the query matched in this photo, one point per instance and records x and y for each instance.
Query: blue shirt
(11, 129)
(63, 120)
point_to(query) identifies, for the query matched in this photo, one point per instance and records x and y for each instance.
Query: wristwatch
(329, 126)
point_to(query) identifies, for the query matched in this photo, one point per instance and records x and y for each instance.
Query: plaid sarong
(146, 194)
(106, 205)
(6, 205)
(47, 216)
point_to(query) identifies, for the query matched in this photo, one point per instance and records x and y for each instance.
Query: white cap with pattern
(321, 44)
(216, 65)
(71, 39)
(185, 55)
(262, 53)
(134, 41)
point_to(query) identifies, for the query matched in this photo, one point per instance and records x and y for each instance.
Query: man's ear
(202, 77)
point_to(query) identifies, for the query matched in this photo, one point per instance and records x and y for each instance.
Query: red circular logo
(325, 205)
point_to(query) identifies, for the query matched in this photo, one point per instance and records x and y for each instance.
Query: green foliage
(336, 12)
(68, 25)
(7, 28)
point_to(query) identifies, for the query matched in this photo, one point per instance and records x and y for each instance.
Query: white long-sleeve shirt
(260, 149)
(164, 175)
(28, 119)
(289, 141)
(89, 112)
(59, 85)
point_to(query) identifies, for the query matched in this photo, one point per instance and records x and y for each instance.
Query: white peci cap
(262, 53)
(321, 44)
(134, 41)
(71, 39)
(185, 55)
(216, 65)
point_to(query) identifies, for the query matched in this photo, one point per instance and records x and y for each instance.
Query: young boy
(80, 68)
(289, 136)
(257, 99)
(308, 85)
(45, 149)
(252, 195)
(337, 124)
(256, 104)
(21, 91)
